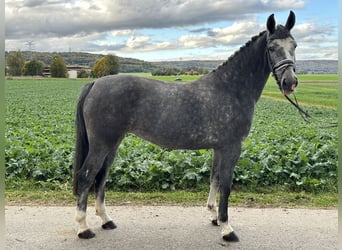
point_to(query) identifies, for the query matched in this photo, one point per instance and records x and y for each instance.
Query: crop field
(282, 150)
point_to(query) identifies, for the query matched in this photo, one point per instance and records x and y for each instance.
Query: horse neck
(247, 69)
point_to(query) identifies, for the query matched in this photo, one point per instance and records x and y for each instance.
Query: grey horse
(213, 112)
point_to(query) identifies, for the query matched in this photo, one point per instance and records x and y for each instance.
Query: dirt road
(171, 227)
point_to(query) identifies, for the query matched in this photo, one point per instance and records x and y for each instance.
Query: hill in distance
(129, 65)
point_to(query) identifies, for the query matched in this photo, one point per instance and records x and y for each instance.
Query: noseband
(283, 64)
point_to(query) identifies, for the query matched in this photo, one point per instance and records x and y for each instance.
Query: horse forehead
(285, 46)
(285, 43)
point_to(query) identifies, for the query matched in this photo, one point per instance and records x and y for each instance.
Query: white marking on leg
(101, 211)
(226, 228)
(211, 204)
(82, 221)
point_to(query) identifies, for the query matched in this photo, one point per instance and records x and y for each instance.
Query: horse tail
(82, 144)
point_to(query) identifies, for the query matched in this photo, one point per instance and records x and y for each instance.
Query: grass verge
(180, 198)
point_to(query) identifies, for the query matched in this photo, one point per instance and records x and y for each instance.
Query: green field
(281, 150)
(313, 90)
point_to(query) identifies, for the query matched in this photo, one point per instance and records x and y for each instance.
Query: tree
(113, 64)
(33, 68)
(83, 74)
(15, 63)
(58, 67)
(108, 65)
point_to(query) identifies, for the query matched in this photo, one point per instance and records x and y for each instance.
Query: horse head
(281, 53)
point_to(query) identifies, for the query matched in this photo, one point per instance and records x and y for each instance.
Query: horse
(212, 112)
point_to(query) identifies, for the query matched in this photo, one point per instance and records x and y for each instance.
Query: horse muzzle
(288, 82)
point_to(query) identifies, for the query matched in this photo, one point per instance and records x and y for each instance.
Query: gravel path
(171, 227)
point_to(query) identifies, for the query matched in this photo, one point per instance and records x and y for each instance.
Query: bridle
(284, 64)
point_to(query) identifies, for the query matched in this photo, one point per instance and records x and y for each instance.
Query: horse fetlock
(83, 232)
(213, 211)
(227, 232)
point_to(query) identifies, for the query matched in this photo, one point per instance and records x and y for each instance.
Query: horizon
(165, 30)
(166, 60)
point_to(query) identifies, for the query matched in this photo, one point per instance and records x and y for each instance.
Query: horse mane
(243, 47)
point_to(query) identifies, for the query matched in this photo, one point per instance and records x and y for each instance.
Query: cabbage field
(282, 150)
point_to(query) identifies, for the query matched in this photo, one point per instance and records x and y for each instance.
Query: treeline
(88, 60)
(168, 71)
(18, 65)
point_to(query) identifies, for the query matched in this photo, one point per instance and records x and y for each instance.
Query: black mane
(246, 45)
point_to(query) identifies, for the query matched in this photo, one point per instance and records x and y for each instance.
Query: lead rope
(305, 115)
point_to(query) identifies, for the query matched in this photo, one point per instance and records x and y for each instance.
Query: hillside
(136, 65)
(303, 66)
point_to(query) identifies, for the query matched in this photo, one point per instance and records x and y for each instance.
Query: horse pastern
(109, 225)
(87, 234)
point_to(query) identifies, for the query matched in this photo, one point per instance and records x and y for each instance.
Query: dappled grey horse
(213, 112)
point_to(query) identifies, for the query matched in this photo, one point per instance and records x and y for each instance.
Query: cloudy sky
(156, 30)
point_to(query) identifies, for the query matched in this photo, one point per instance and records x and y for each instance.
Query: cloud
(65, 17)
(130, 26)
(137, 42)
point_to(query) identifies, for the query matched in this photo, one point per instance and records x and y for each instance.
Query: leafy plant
(281, 150)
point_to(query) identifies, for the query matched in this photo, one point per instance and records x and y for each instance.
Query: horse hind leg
(100, 182)
(85, 180)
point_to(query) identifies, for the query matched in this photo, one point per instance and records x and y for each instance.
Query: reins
(305, 115)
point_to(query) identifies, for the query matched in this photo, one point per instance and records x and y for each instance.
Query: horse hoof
(232, 237)
(109, 225)
(214, 222)
(87, 234)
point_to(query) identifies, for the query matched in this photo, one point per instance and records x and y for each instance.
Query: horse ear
(291, 20)
(271, 24)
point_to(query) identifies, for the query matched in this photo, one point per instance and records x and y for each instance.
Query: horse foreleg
(214, 185)
(229, 158)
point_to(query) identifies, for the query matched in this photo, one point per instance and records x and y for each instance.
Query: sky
(159, 30)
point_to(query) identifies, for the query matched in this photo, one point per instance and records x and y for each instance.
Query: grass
(310, 92)
(320, 90)
(261, 199)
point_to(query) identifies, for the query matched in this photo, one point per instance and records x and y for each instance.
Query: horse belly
(179, 140)
(176, 131)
